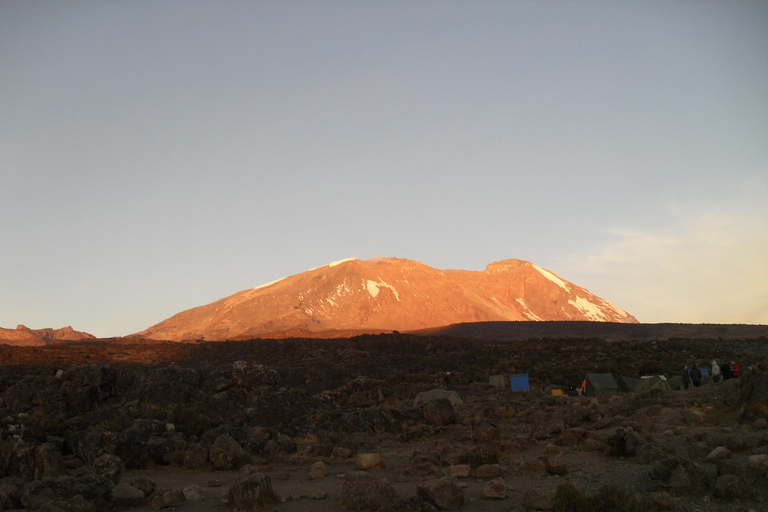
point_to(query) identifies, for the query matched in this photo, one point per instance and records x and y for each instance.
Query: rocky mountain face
(386, 294)
(24, 336)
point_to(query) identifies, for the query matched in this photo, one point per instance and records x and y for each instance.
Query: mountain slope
(387, 294)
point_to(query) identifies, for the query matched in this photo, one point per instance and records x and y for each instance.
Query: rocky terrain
(308, 424)
(387, 294)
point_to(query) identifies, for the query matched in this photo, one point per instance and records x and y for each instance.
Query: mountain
(24, 336)
(384, 294)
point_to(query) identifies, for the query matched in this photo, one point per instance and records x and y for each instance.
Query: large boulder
(362, 492)
(442, 493)
(680, 475)
(251, 494)
(753, 398)
(226, 454)
(439, 412)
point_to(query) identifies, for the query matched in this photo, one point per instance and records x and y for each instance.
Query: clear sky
(159, 155)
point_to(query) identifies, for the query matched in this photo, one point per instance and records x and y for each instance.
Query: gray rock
(496, 489)
(488, 471)
(196, 457)
(109, 466)
(729, 487)
(443, 493)
(318, 470)
(226, 454)
(361, 492)
(192, 493)
(125, 495)
(718, 454)
(457, 470)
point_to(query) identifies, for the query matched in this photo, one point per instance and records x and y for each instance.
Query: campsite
(364, 424)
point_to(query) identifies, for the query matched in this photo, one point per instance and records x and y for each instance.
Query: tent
(674, 382)
(557, 392)
(628, 384)
(600, 384)
(649, 382)
(433, 394)
(496, 380)
(518, 382)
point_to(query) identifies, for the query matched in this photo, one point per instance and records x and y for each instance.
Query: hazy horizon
(158, 156)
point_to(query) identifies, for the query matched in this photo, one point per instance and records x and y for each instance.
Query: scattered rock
(488, 471)
(193, 493)
(443, 493)
(110, 466)
(457, 470)
(496, 489)
(718, 454)
(364, 461)
(253, 493)
(318, 470)
(320, 494)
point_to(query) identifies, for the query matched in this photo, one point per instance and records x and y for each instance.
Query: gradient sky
(159, 155)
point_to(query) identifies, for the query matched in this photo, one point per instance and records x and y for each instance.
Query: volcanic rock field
(331, 424)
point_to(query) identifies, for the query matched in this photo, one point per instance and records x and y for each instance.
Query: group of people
(692, 375)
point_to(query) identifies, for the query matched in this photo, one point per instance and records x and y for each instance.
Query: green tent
(628, 384)
(649, 382)
(496, 380)
(601, 384)
(433, 394)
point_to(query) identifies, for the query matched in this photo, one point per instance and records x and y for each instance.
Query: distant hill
(24, 336)
(385, 294)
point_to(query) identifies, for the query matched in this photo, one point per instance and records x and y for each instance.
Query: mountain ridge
(387, 294)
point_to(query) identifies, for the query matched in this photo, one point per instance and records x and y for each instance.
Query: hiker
(715, 372)
(735, 371)
(726, 371)
(696, 375)
(685, 377)
(447, 381)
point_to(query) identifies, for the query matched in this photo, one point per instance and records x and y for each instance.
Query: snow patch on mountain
(590, 310)
(373, 288)
(530, 314)
(333, 264)
(552, 277)
(269, 283)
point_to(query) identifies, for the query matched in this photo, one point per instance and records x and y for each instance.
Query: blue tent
(518, 382)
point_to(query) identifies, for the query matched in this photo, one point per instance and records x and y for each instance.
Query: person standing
(735, 371)
(715, 372)
(696, 375)
(447, 381)
(685, 377)
(726, 371)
